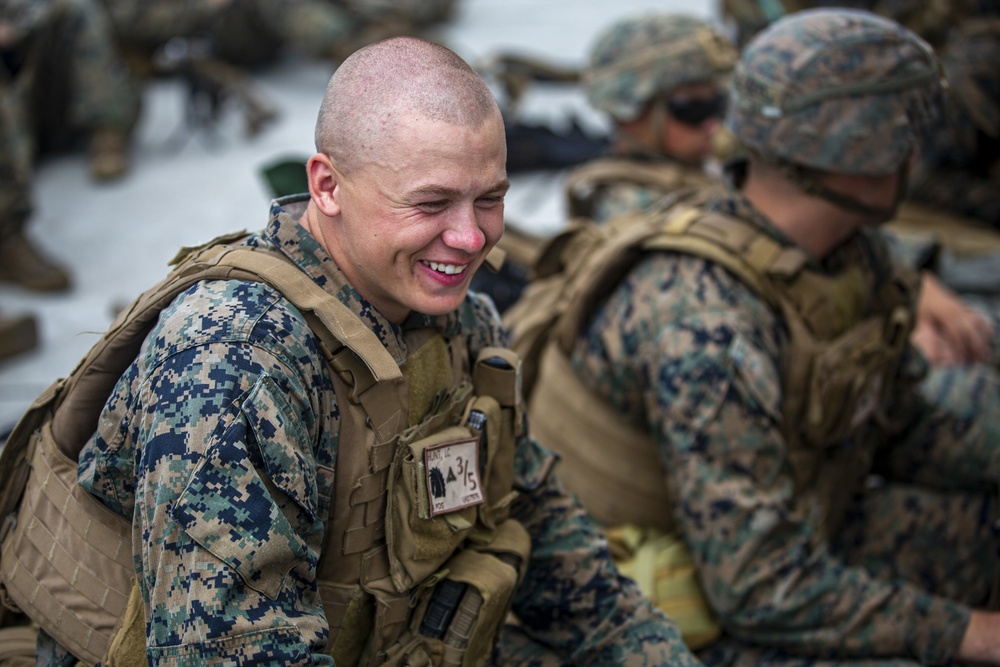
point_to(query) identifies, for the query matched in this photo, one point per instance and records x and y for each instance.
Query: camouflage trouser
(943, 541)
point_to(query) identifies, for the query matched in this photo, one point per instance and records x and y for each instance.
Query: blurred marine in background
(661, 81)
(733, 390)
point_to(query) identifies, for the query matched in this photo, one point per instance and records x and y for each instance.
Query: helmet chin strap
(810, 183)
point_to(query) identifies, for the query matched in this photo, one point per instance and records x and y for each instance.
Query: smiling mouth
(447, 269)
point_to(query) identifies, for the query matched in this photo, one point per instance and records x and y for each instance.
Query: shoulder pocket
(228, 509)
(756, 376)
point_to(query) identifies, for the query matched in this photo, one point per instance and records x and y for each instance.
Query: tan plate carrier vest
(666, 176)
(846, 339)
(66, 560)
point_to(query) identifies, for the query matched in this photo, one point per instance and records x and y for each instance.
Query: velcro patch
(453, 480)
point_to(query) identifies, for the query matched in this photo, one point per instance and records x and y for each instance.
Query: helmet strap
(811, 184)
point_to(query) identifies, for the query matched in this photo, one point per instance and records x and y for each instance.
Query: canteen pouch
(460, 609)
(661, 564)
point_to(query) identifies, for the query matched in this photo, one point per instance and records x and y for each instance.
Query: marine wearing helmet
(660, 77)
(846, 92)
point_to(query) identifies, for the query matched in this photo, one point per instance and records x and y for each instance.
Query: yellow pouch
(662, 566)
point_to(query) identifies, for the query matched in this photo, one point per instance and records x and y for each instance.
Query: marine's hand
(948, 330)
(981, 642)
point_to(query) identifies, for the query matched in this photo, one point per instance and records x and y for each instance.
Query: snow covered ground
(186, 188)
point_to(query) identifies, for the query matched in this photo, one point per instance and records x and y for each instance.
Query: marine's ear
(324, 184)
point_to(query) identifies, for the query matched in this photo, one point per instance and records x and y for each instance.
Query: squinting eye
(433, 206)
(490, 202)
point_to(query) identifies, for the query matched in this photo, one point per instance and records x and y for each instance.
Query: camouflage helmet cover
(639, 58)
(838, 90)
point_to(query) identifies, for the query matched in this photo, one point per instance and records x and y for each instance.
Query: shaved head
(402, 77)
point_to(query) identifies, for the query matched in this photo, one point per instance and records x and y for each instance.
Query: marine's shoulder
(232, 312)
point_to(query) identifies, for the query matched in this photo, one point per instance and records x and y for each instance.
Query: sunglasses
(696, 110)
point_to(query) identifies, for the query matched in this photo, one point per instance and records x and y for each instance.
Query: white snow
(184, 188)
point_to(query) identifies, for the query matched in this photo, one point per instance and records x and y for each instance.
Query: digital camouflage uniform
(634, 63)
(694, 357)
(171, 455)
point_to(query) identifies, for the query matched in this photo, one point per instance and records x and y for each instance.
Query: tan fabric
(17, 646)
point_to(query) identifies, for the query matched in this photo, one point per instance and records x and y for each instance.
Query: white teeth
(448, 269)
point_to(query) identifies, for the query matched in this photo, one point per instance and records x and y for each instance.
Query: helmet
(835, 89)
(640, 58)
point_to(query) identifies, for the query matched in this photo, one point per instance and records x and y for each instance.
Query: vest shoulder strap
(665, 176)
(751, 255)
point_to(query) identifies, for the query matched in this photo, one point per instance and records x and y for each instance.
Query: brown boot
(108, 154)
(17, 335)
(23, 264)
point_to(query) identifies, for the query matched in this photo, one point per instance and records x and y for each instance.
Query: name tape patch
(453, 481)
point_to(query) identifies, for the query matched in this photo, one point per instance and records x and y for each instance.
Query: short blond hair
(382, 82)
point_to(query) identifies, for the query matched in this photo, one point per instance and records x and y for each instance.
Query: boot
(23, 264)
(108, 154)
(17, 335)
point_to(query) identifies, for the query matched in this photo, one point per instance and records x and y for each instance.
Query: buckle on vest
(353, 372)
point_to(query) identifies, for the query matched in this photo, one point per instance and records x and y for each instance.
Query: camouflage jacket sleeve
(217, 446)
(696, 358)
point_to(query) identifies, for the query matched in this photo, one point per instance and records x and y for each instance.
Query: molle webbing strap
(696, 232)
(340, 328)
(744, 250)
(78, 411)
(593, 268)
(75, 588)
